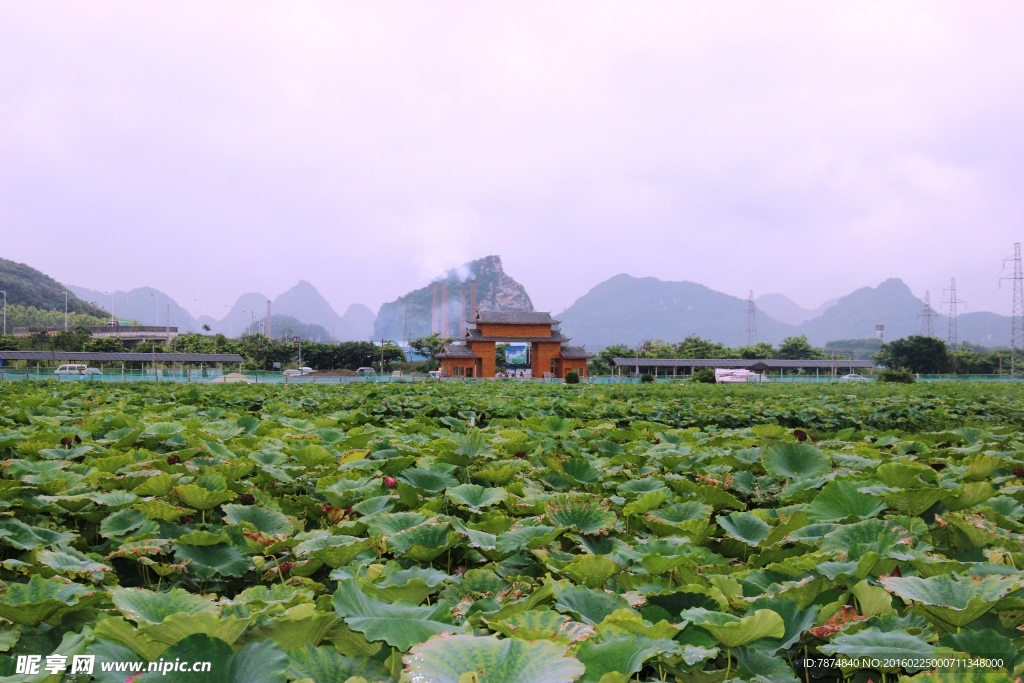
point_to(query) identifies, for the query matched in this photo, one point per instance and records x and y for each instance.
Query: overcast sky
(209, 149)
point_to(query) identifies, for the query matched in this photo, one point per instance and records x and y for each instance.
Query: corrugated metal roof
(475, 335)
(575, 352)
(769, 363)
(514, 318)
(456, 351)
(97, 357)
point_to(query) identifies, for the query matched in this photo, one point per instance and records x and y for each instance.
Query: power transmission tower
(926, 315)
(953, 303)
(1017, 321)
(751, 320)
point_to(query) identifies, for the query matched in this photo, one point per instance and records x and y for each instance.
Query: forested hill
(26, 286)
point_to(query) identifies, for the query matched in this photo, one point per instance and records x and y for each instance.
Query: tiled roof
(575, 352)
(476, 335)
(456, 351)
(514, 318)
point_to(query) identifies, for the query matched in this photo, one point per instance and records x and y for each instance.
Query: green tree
(760, 350)
(696, 347)
(916, 354)
(429, 347)
(601, 364)
(9, 343)
(104, 345)
(798, 348)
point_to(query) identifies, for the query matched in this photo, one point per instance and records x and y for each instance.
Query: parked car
(71, 369)
(434, 374)
(293, 372)
(366, 371)
(93, 372)
(396, 373)
(853, 378)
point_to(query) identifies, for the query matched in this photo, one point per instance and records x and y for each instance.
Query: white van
(72, 369)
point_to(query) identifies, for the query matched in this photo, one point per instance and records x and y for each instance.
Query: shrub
(646, 378)
(899, 375)
(572, 378)
(704, 375)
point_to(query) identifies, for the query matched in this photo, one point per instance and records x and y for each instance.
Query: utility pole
(953, 302)
(382, 355)
(926, 315)
(1017, 321)
(751, 320)
(65, 311)
(5, 313)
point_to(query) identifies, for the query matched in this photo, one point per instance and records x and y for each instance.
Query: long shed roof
(767, 363)
(99, 357)
(515, 318)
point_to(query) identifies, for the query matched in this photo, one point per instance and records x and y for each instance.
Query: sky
(213, 148)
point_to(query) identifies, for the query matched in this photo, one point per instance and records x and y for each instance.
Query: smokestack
(444, 308)
(434, 328)
(472, 300)
(462, 309)
(270, 332)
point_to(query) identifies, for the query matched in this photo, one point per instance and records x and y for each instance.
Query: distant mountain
(145, 305)
(627, 310)
(893, 305)
(784, 309)
(409, 316)
(26, 286)
(248, 310)
(357, 323)
(286, 327)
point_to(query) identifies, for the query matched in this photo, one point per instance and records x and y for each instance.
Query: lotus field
(513, 533)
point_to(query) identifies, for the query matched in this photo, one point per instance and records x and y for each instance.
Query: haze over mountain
(784, 309)
(409, 316)
(144, 305)
(625, 309)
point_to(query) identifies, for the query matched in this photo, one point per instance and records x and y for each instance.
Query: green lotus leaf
(872, 600)
(32, 603)
(150, 607)
(223, 432)
(795, 461)
(122, 523)
(732, 631)
(618, 654)
(424, 542)
(114, 499)
(203, 538)
(905, 475)
(589, 605)
(19, 535)
(206, 561)
(691, 519)
(645, 503)
(313, 456)
(581, 471)
(627, 621)
(591, 570)
(264, 519)
(301, 624)
(107, 652)
(427, 481)
(157, 485)
(744, 527)
(414, 584)
(277, 593)
(915, 501)
(984, 644)
(972, 494)
(526, 537)
(758, 665)
(337, 551)
(840, 500)
(874, 643)
(180, 626)
(257, 662)
(250, 423)
(543, 625)
(163, 430)
(871, 535)
(399, 624)
(638, 487)
(66, 560)
(795, 619)
(969, 676)
(769, 431)
(392, 523)
(948, 601)
(586, 514)
(160, 511)
(327, 665)
(448, 660)
(201, 498)
(474, 497)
